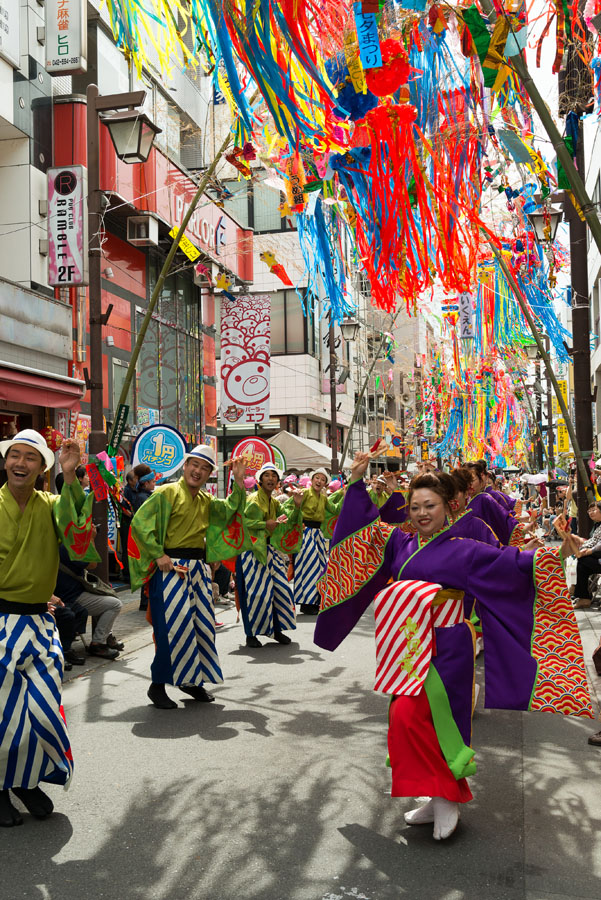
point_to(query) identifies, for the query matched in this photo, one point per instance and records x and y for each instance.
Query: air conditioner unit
(142, 231)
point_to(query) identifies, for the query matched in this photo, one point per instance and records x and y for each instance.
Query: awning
(302, 453)
(22, 386)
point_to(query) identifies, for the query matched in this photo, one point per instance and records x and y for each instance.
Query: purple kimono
(502, 523)
(506, 502)
(525, 611)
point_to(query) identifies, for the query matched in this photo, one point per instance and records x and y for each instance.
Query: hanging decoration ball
(394, 71)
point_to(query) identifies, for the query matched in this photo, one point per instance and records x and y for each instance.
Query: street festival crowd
(449, 562)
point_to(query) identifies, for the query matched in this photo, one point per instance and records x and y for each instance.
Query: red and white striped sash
(406, 613)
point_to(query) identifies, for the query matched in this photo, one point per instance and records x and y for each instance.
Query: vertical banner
(466, 316)
(67, 226)
(66, 36)
(245, 354)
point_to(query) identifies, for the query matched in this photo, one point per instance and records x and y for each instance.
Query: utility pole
(572, 98)
(550, 432)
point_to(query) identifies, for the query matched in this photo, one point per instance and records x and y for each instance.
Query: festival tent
(302, 453)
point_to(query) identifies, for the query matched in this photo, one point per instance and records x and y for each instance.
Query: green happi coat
(286, 537)
(29, 540)
(173, 518)
(378, 499)
(321, 508)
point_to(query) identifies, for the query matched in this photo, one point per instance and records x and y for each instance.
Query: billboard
(245, 357)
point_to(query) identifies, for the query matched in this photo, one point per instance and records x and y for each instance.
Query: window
(173, 389)
(119, 373)
(256, 205)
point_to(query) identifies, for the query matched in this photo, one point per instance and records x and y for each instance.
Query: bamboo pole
(518, 63)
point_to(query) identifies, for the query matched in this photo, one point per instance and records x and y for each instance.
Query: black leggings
(586, 567)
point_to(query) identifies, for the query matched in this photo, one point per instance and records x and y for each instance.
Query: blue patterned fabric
(34, 744)
(183, 620)
(266, 601)
(309, 566)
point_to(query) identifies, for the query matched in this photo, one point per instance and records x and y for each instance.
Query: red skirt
(418, 767)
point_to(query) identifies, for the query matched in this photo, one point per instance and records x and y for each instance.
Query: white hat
(320, 472)
(381, 479)
(33, 439)
(267, 467)
(203, 452)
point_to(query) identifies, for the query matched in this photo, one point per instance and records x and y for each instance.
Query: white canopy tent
(302, 453)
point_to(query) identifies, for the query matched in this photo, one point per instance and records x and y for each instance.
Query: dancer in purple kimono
(526, 616)
(505, 525)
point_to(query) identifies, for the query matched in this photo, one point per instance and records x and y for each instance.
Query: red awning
(19, 386)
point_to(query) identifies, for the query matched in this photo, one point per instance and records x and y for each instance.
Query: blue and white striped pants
(266, 601)
(183, 621)
(309, 566)
(34, 744)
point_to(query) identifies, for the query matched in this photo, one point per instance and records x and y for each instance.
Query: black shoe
(309, 609)
(198, 692)
(102, 650)
(281, 638)
(143, 605)
(72, 657)
(113, 643)
(252, 641)
(36, 801)
(9, 816)
(67, 666)
(159, 696)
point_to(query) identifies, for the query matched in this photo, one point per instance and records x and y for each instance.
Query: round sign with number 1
(162, 448)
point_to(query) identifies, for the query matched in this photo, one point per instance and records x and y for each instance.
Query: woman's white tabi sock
(446, 817)
(423, 815)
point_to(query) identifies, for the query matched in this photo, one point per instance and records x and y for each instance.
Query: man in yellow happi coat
(34, 745)
(172, 537)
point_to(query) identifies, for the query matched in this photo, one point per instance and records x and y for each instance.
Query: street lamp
(349, 328)
(545, 222)
(531, 351)
(132, 134)
(139, 134)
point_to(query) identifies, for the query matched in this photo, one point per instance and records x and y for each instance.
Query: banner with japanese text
(245, 357)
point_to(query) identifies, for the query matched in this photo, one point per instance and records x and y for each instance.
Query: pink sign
(67, 227)
(245, 353)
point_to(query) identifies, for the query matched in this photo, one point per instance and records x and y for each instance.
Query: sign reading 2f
(67, 227)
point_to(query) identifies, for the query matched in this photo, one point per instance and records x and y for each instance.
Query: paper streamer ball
(394, 71)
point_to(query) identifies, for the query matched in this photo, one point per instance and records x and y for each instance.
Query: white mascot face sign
(245, 347)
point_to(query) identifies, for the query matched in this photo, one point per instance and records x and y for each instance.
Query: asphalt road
(278, 790)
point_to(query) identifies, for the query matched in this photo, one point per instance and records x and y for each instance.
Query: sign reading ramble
(67, 227)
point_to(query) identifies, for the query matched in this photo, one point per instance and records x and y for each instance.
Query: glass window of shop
(256, 205)
(170, 366)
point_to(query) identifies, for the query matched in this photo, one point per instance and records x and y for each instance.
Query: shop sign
(67, 227)
(257, 451)
(162, 448)
(279, 460)
(66, 36)
(563, 440)
(424, 451)
(118, 428)
(10, 43)
(245, 357)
